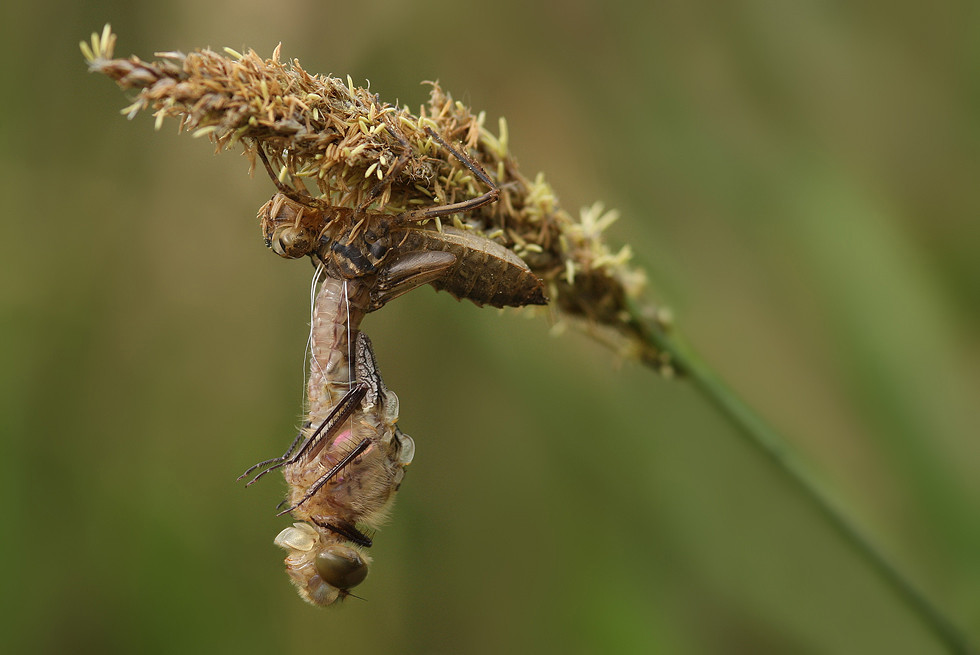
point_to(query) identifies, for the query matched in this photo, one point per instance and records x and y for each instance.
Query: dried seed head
(353, 149)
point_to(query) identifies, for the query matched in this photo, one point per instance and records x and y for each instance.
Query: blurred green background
(800, 181)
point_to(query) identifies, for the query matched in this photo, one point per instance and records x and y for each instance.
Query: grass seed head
(342, 139)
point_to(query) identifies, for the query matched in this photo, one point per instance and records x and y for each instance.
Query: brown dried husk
(342, 140)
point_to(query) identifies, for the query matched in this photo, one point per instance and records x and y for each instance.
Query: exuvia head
(289, 228)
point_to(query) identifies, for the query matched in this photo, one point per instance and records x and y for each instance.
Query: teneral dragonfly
(346, 464)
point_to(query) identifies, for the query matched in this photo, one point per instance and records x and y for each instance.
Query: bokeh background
(800, 180)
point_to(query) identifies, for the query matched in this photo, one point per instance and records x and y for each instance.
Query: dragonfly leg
(289, 192)
(282, 458)
(456, 207)
(408, 271)
(345, 530)
(394, 171)
(343, 410)
(329, 475)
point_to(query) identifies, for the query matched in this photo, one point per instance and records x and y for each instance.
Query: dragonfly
(347, 462)
(352, 243)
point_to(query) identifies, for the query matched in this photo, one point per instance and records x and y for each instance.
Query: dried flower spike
(354, 149)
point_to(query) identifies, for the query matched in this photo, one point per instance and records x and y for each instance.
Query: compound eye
(291, 242)
(341, 567)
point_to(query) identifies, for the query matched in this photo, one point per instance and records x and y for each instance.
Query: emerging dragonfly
(346, 464)
(352, 243)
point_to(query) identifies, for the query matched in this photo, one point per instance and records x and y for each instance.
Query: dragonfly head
(323, 571)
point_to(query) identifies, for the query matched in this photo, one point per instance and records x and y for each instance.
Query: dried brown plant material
(343, 141)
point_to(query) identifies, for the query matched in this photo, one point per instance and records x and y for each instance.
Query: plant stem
(769, 442)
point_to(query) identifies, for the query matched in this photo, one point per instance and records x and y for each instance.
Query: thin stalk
(775, 448)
